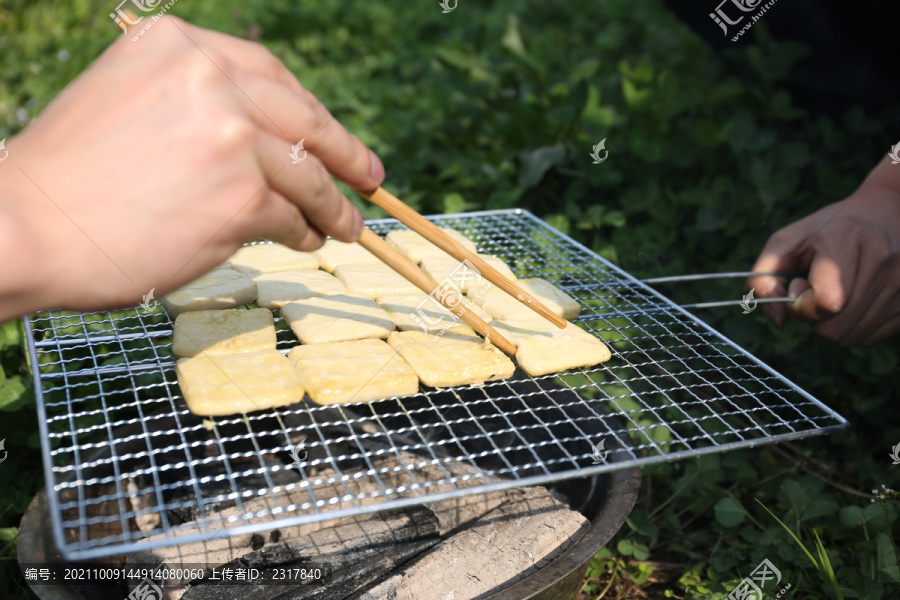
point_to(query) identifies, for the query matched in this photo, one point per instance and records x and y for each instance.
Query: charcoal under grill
(115, 430)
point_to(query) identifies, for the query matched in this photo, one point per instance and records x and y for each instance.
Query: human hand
(159, 161)
(851, 250)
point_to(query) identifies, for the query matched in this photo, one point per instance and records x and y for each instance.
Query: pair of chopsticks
(410, 271)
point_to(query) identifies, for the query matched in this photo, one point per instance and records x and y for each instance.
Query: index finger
(832, 275)
(289, 110)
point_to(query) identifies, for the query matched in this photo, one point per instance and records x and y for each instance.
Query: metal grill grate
(120, 447)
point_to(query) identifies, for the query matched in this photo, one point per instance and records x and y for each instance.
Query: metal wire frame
(119, 443)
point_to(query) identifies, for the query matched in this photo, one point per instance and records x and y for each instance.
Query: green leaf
(875, 514)
(852, 516)
(12, 396)
(641, 573)
(729, 512)
(456, 54)
(8, 534)
(887, 557)
(455, 203)
(512, 37)
(633, 95)
(641, 551)
(558, 222)
(639, 522)
(625, 547)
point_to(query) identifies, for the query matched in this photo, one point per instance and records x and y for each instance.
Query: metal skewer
(734, 275)
(729, 275)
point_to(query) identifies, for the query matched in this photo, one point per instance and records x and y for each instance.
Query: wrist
(23, 283)
(886, 175)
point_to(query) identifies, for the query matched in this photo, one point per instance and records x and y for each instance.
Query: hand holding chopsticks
(397, 261)
(431, 232)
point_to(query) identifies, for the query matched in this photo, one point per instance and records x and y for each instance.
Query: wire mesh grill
(128, 467)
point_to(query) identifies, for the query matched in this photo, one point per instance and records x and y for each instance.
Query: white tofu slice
(416, 247)
(277, 289)
(543, 348)
(268, 258)
(334, 254)
(223, 332)
(228, 384)
(373, 280)
(501, 305)
(421, 312)
(463, 275)
(452, 358)
(348, 372)
(338, 318)
(220, 288)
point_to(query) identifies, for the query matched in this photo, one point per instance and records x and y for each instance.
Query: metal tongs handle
(732, 275)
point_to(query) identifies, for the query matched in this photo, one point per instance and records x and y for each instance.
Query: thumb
(779, 254)
(805, 307)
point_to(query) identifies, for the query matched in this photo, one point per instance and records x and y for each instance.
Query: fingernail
(376, 169)
(358, 225)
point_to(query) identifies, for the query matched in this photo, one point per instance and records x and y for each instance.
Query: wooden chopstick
(431, 232)
(400, 263)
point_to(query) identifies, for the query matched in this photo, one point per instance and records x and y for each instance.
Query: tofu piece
(349, 372)
(421, 312)
(416, 247)
(462, 275)
(543, 348)
(337, 318)
(268, 258)
(277, 289)
(220, 288)
(501, 305)
(223, 332)
(334, 254)
(373, 280)
(452, 358)
(228, 384)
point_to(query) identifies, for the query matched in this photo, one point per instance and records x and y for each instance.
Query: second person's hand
(851, 250)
